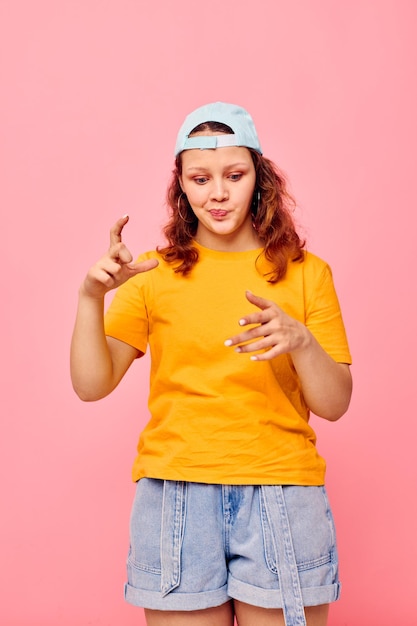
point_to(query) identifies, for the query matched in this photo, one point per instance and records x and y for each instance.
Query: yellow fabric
(217, 416)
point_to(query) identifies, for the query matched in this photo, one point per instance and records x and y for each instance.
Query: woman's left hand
(275, 332)
(325, 383)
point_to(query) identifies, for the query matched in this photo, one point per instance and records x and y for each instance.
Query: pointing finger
(261, 303)
(116, 230)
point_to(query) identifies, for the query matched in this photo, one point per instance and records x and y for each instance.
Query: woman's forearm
(91, 361)
(326, 384)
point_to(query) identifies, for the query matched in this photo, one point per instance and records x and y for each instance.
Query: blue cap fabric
(234, 116)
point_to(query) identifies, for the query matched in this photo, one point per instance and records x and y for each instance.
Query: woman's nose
(219, 190)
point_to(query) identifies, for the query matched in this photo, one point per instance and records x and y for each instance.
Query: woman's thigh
(248, 615)
(216, 616)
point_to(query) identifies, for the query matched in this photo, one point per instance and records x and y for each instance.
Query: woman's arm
(98, 363)
(326, 384)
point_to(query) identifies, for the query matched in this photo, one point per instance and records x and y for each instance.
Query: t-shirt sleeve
(126, 318)
(324, 317)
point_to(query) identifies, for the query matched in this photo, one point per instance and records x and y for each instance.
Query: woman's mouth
(218, 213)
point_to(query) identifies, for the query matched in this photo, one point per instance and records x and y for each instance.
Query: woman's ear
(180, 183)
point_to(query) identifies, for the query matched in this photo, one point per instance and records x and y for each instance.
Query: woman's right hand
(115, 267)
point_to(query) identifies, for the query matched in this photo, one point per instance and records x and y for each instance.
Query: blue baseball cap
(239, 120)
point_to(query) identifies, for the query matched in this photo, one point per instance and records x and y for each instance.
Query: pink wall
(92, 94)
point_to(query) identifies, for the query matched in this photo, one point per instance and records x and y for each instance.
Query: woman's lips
(217, 213)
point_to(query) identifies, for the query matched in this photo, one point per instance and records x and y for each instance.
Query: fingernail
(228, 342)
(125, 215)
(254, 358)
(242, 322)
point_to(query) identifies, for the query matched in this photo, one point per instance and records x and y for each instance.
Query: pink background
(93, 92)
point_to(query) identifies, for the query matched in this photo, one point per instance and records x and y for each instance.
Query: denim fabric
(195, 546)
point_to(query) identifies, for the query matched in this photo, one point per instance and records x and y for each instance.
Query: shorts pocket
(156, 533)
(312, 533)
(145, 526)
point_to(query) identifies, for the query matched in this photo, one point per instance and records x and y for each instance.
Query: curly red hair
(272, 217)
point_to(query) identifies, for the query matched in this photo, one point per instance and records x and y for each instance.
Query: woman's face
(219, 185)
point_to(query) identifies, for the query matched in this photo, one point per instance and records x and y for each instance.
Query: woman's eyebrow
(201, 168)
(196, 169)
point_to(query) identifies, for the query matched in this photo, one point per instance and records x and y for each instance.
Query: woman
(230, 517)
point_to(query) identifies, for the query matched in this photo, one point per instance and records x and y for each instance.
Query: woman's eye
(235, 177)
(200, 180)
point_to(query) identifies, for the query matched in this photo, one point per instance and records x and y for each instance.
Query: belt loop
(172, 531)
(289, 580)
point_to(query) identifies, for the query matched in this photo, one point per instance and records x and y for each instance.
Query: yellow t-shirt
(217, 416)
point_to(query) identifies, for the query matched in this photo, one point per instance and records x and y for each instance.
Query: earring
(179, 209)
(256, 201)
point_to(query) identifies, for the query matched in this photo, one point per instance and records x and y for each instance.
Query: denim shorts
(195, 546)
